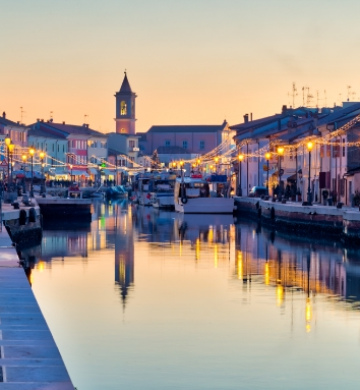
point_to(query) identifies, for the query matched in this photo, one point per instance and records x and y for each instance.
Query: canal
(142, 299)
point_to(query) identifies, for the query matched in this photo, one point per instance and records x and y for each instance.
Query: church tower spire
(125, 108)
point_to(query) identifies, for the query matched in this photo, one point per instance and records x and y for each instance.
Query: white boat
(163, 195)
(142, 190)
(198, 195)
(155, 189)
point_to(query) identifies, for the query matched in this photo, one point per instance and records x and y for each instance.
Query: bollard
(22, 217)
(32, 215)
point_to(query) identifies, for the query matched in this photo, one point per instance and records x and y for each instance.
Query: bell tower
(125, 108)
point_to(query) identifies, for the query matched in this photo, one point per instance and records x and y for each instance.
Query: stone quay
(29, 357)
(340, 222)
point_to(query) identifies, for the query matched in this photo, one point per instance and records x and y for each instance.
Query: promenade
(29, 357)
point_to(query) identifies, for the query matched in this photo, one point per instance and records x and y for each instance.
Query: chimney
(284, 109)
(251, 116)
(246, 118)
(4, 115)
(63, 123)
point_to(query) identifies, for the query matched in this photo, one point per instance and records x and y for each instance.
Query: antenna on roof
(21, 114)
(349, 92)
(294, 93)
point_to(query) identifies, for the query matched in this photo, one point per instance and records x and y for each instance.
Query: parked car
(257, 191)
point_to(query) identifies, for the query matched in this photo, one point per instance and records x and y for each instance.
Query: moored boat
(198, 195)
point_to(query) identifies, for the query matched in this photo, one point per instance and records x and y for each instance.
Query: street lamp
(310, 146)
(7, 143)
(24, 158)
(267, 158)
(11, 147)
(280, 151)
(42, 156)
(216, 163)
(241, 158)
(32, 152)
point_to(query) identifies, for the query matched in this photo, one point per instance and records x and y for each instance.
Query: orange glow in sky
(190, 62)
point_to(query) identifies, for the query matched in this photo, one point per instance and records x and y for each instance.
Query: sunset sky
(189, 61)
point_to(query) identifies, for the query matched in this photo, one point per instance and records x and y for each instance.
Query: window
(167, 142)
(343, 147)
(122, 130)
(202, 145)
(131, 144)
(123, 108)
(185, 144)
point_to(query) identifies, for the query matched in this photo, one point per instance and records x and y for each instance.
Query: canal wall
(29, 357)
(316, 220)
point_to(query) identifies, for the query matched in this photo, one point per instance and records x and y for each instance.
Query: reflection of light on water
(197, 249)
(239, 265)
(267, 274)
(308, 314)
(211, 235)
(279, 295)
(40, 265)
(216, 256)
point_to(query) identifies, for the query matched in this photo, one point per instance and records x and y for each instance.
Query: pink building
(192, 139)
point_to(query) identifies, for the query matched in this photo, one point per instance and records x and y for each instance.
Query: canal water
(143, 299)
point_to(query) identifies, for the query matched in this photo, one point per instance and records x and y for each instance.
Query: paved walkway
(29, 357)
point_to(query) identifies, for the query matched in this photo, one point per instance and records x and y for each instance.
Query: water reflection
(186, 290)
(259, 255)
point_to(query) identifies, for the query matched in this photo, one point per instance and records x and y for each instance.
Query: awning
(93, 171)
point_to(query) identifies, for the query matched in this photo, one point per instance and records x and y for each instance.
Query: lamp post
(241, 158)
(32, 152)
(310, 146)
(280, 151)
(216, 164)
(7, 143)
(11, 147)
(42, 156)
(24, 158)
(267, 157)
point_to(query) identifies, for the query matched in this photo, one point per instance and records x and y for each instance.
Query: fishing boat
(199, 195)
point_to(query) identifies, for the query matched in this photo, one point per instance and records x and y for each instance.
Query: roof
(257, 122)
(39, 132)
(187, 128)
(7, 122)
(58, 129)
(125, 86)
(341, 114)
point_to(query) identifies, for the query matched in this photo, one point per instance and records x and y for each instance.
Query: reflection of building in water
(294, 264)
(124, 252)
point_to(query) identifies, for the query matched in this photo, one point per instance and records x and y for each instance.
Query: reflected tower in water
(124, 252)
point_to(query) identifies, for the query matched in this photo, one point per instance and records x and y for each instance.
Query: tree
(155, 161)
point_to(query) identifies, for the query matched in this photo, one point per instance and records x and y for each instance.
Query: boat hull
(65, 208)
(206, 206)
